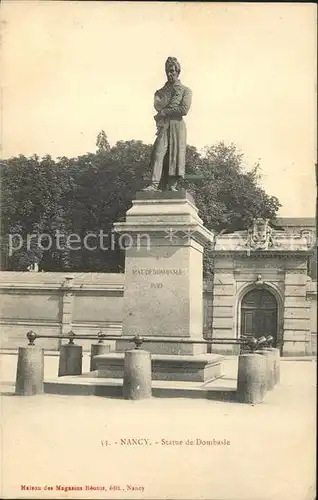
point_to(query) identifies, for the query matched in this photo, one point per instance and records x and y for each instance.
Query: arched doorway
(259, 314)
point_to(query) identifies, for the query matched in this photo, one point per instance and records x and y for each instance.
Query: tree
(86, 195)
(103, 186)
(231, 196)
(31, 194)
(102, 143)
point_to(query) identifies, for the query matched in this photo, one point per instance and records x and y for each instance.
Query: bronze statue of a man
(171, 102)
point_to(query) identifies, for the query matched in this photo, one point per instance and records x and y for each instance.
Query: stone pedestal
(198, 368)
(164, 239)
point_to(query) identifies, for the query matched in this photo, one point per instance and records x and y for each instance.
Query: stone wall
(51, 304)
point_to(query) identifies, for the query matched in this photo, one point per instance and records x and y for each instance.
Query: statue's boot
(153, 187)
(173, 184)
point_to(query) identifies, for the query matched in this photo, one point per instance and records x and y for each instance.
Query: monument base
(165, 239)
(89, 385)
(198, 368)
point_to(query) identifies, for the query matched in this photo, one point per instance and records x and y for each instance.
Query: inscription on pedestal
(149, 272)
(146, 271)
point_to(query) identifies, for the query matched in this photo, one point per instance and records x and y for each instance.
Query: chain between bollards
(252, 343)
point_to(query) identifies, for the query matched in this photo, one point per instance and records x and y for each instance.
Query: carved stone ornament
(259, 236)
(67, 283)
(309, 236)
(259, 281)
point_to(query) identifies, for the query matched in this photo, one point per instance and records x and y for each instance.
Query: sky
(70, 69)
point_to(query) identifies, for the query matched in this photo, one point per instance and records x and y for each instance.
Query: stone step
(90, 385)
(195, 368)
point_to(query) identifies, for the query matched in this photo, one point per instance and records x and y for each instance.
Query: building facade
(263, 284)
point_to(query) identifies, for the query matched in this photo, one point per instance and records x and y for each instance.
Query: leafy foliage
(231, 197)
(87, 194)
(102, 143)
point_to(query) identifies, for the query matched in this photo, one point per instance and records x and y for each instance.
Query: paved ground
(51, 441)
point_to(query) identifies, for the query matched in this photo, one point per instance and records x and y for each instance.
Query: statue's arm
(160, 100)
(181, 109)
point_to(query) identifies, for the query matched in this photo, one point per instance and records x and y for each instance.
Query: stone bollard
(251, 378)
(70, 362)
(270, 367)
(277, 365)
(95, 350)
(276, 362)
(137, 374)
(30, 371)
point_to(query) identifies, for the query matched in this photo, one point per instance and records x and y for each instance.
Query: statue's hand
(159, 102)
(159, 116)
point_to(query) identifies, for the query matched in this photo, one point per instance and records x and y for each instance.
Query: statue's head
(173, 69)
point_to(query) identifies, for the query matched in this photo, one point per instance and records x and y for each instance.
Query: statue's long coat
(176, 100)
